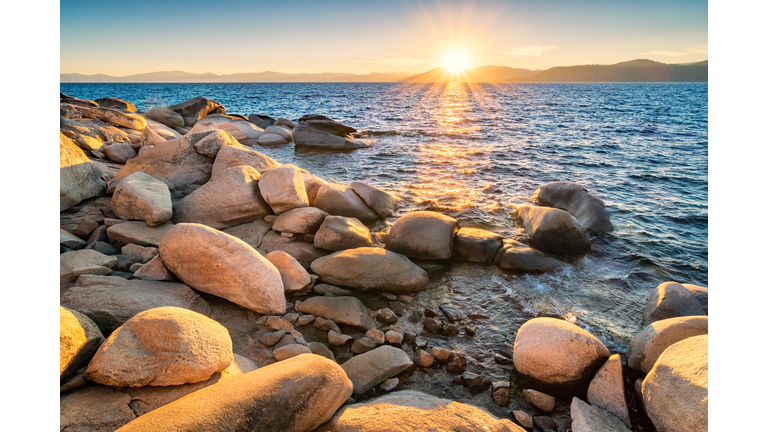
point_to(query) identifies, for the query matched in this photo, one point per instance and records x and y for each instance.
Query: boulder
(302, 220)
(119, 152)
(341, 200)
(312, 185)
(647, 346)
(243, 131)
(95, 408)
(110, 102)
(552, 230)
(79, 178)
(701, 294)
(87, 261)
(161, 347)
(230, 198)
(150, 138)
(540, 400)
(325, 123)
(196, 108)
(251, 232)
(413, 411)
(376, 366)
(283, 189)
(284, 133)
(307, 389)
(261, 120)
(63, 98)
(573, 198)
(670, 300)
(345, 310)
(220, 264)
(587, 418)
(70, 240)
(369, 268)
(142, 197)
(606, 390)
(289, 351)
(166, 116)
(557, 353)
(271, 139)
(162, 130)
(116, 117)
(110, 301)
(182, 161)
(154, 269)
(294, 277)
(676, 390)
(307, 136)
(423, 235)
(79, 338)
(304, 252)
(232, 156)
(285, 122)
(514, 255)
(339, 233)
(476, 245)
(381, 202)
(107, 132)
(138, 232)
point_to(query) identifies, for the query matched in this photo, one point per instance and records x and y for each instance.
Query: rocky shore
(207, 286)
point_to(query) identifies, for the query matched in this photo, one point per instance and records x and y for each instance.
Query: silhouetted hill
(630, 71)
(268, 76)
(479, 74)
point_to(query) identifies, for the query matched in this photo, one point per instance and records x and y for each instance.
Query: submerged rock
(514, 255)
(573, 198)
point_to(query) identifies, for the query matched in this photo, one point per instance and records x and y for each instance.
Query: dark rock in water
(514, 255)
(452, 312)
(416, 316)
(431, 312)
(573, 198)
(307, 136)
(470, 330)
(457, 363)
(262, 121)
(475, 383)
(545, 423)
(433, 326)
(116, 103)
(196, 108)
(397, 307)
(326, 124)
(552, 230)
(420, 342)
(500, 393)
(502, 358)
(476, 245)
(423, 235)
(450, 329)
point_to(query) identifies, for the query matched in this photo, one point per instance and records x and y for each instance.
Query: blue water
(471, 151)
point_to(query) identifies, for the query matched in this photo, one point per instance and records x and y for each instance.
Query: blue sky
(121, 38)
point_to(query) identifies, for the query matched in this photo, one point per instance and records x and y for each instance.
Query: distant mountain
(480, 74)
(268, 76)
(630, 71)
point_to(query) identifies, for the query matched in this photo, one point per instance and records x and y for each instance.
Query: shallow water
(473, 150)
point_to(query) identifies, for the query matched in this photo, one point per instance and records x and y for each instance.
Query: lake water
(473, 150)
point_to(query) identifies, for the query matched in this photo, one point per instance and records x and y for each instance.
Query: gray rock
(650, 343)
(119, 152)
(87, 261)
(79, 178)
(423, 235)
(138, 232)
(306, 136)
(552, 230)
(374, 367)
(514, 255)
(588, 418)
(363, 345)
(70, 240)
(381, 202)
(476, 245)
(142, 197)
(288, 351)
(573, 198)
(344, 310)
(339, 233)
(606, 390)
(302, 220)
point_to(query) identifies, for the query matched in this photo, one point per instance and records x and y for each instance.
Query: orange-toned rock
(423, 235)
(283, 189)
(606, 390)
(79, 338)
(94, 408)
(647, 346)
(79, 178)
(294, 277)
(369, 268)
(142, 197)
(161, 347)
(339, 233)
(232, 156)
(341, 200)
(670, 300)
(552, 230)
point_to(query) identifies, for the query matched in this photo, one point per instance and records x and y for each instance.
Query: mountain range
(631, 71)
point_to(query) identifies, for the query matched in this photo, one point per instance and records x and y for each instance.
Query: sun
(456, 61)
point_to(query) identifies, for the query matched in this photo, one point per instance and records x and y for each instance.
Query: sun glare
(456, 61)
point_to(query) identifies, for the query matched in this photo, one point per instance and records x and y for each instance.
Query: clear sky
(123, 38)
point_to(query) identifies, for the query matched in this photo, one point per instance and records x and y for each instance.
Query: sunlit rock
(606, 390)
(383, 203)
(271, 139)
(162, 130)
(340, 200)
(79, 338)
(302, 220)
(116, 117)
(514, 255)
(345, 310)
(376, 366)
(166, 116)
(476, 245)
(339, 233)
(701, 294)
(423, 235)
(110, 102)
(150, 138)
(220, 264)
(587, 418)
(369, 268)
(232, 156)
(552, 230)
(326, 124)
(142, 197)
(294, 276)
(138, 232)
(283, 189)
(87, 261)
(196, 108)
(79, 178)
(647, 346)
(573, 198)
(670, 300)
(251, 233)
(312, 185)
(676, 390)
(95, 408)
(108, 132)
(285, 134)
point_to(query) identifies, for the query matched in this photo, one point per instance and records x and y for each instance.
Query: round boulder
(302, 220)
(339, 232)
(670, 300)
(553, 230)
(573, 198)
(423, 235)
(161, 347)
(648, 345)
(283, 189)
(142, 197)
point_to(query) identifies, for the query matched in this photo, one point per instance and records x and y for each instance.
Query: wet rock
(251, 233)
(195, 109)
(523, 418)
(475, 383)
(476, 245)
(452, 312)
(540, 400)
(414, 411)
(371, 268)
(373, 367)
(450, 329)
(647, 346)
(302, 220)
(249, 400)
(457, 363)
(271, 139)
(676, 390)
(338, 339)
(500, 394)
(420, 342)
(416, 316)
(70, 240)
(222, 265)
(340, 200)
(75, 263)
(283, 189)
(79, 178)
(552, 230)
(160, 347)
(587, 418)
(363, 345)
(557, 353)
(339, 233)
(142, 197)
(276, 130)
(386, 316)
(381, 202)
(670, 300)
(423, 359)
(397, 307)
(606, 390)
(306, 136)
(293, 275)
(514, 255)
(346, 310)
(431, 312)
(79, 338)
(545, 423)
(433, 326)
(95, 408)
(423, 235)
(288, 351)
(573, 198)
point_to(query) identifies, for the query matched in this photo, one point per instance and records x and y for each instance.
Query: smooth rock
(524, 418)
(232, 156)
(166, 116)
(701, 294)
(338, 233)
(476, 245)
(394, 337)
(150, 138)
(369, 268)
(79, 178)
(87, 261)
(85, 228)
(79, 338)
(670, 300)
(294, 277)
(321, 350)
(139, 233)
(340, 200)
(573, 198)
(142, 252)
(116, 117)
(552, 230)
(540, 400)
(155, 270)
(312, 185)
(70, 240)
(374, 367)
(587, 418)
(337, 339)
(119, 152)
(251, 233)
(271, 139)
(306, 136)
(647, 346)
(345, 310)
(110, 102)
(288, 351)
(302, 220)
(363, 345)
(606, 390)
(376, 335)
(381, 202)
(423, 235)
(283, 189)
(195, 109)
(514, 255)
(94, 408)
(142, 197)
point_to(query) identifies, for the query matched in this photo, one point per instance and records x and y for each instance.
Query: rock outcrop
(647, 346)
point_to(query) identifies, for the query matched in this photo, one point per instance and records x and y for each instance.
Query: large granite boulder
(342, 200)
(376, 366)
(79, 338)
(476, 245)
(312, 185)
(142, 197)
(120, 104)
(110, 301)
(79, 178)
(670, 300)
(676, 390)
(326, 124)
(87, 261)
(339, 233)
(413, 411)
(283, 189)
(220, 264)
(647, 346)
(557, 353)
(293, 395)
(230, 198)
(514, 255)
(573, 198)
(369, 268)
(423, 235)
(232, 156)
(195, 109)
(294, 276)
(302, 220)
(95, 408)
(307, 136)
(606, 390)
(161, 347)
(116, 117)
(343, 310)
(138, 233)
(182, 161)
(383, 203)
(553, 230)
(701, 294)
(166, 116)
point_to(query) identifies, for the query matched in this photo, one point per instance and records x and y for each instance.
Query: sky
(124, 38)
